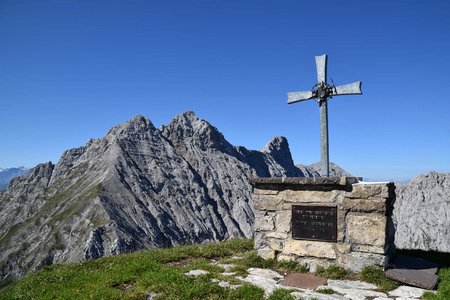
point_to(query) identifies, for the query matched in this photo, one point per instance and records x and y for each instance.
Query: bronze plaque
(317, 223)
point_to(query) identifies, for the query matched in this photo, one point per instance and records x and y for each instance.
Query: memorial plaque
(317, 223)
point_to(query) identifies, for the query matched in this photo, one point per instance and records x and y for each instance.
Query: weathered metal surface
(321, 66)
(316, 223)
(348, 89)
(324, 156)
(299, 96)
(323, 91)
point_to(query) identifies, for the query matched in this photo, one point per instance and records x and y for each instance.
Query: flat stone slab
(407, 292)
(303, 280)
(351, 284)
(413, 277)
(324, 181)
(414, 271)
(310, 295)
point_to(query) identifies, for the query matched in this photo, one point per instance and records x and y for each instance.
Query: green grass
(325, 291)
(331, 272)
(280, 294)
(443, 292)
(135, 275)
(376, 276)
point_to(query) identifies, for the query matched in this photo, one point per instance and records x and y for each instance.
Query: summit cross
(322, 91)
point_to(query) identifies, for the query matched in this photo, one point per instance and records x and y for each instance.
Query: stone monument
(324, 221)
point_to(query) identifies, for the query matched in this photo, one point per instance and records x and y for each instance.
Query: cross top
(322, 91)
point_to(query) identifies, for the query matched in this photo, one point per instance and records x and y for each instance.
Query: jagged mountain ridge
(138, 187)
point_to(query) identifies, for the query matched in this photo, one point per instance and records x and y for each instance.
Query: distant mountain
(138, 187)
(314, 170)
(7, 174)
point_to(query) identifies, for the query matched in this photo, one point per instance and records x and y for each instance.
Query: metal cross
(322, 91)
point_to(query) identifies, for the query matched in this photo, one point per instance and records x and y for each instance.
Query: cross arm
(299, 96)
(348, 89)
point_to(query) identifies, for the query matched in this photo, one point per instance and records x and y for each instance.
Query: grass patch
(327, 291)
(253, 260)
(376, 276)
(136, 275)
(443, 292)
(281, 294)
(332, 272)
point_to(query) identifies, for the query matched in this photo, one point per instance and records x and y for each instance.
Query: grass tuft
(281, 294)
(331, 272)
(376, 276)
(325, 291)
(443, 292)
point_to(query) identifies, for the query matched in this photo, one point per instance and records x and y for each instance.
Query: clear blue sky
(70, 70)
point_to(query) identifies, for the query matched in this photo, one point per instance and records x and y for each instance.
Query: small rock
(270, 274)
(196, 273)
(309, 295)
(215, 280)
(226, 267)
(224, 284)
(228, 273)
(267, 284)
(351, 284)
(407, 292)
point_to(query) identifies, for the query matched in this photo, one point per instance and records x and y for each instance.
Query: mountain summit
(138, 187)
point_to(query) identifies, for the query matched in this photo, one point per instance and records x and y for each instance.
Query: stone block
(309, 248)
(277, 235)
(276, 244)
(340, 225)
(313, 263)
(284, 257)
(368, 249)
(266, 202)
(368, 190)
(266, 253)
(343, 248)
(257, 191)
(310, 196)
(365, 205)
(366, 229)
(264, 221)
(283, 221)
(356, 261)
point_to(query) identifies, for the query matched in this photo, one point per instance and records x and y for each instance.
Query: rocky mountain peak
(137, 125)
(278, 148)
(188, 128)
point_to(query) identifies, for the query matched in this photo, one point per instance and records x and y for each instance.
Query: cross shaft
(322, 91)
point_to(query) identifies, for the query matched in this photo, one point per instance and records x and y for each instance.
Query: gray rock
(196, 273)
(407, 292)
(310, 295)
(351, 284)
(422, 213)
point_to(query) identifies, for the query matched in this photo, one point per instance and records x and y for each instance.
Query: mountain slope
(138, 187)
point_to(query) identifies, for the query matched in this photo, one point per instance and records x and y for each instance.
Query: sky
(70, 70)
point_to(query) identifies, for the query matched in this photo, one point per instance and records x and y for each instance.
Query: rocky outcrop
(138, 187)
(422, 213)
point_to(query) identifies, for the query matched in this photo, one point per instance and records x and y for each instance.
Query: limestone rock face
(137, 187)
(422, 213)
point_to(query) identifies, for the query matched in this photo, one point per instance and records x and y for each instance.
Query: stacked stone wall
(364, 226)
